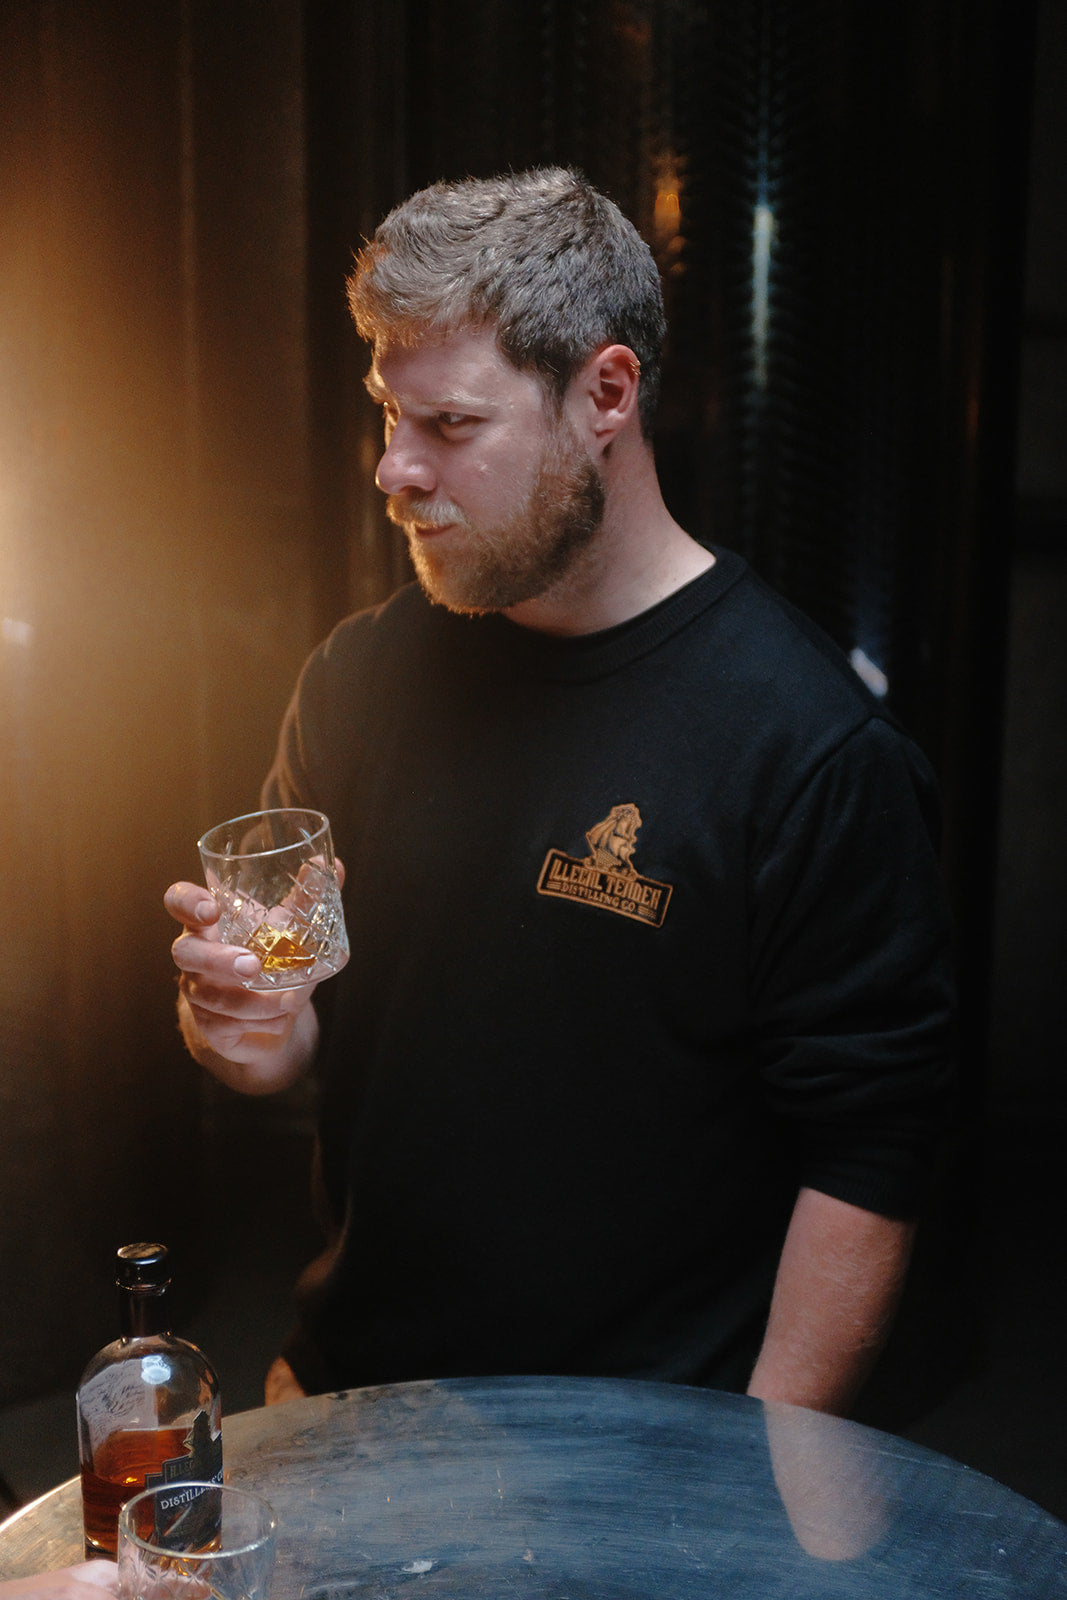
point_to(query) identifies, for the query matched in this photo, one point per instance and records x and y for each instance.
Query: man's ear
(605, 394)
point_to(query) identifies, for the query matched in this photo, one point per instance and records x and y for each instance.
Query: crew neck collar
(594, 655)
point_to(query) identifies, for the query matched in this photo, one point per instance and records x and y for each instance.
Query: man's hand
(86, 1581)
(255, 1041)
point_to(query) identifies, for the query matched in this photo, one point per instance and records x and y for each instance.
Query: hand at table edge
(80, 1582)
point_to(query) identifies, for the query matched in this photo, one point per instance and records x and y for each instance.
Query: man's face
(497, 497)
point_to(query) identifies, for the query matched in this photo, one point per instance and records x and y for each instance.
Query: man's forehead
(465, 362)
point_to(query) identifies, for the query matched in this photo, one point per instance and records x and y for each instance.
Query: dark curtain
(833, 192)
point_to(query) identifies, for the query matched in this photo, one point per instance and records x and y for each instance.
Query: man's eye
(450, 421)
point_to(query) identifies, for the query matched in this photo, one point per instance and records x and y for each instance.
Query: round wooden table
(602, 1489)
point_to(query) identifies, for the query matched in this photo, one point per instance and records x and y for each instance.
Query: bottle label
(174, 1506)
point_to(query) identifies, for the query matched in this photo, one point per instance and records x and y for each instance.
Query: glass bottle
(148, 1403)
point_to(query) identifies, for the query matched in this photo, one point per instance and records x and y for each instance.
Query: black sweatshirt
(647, 931)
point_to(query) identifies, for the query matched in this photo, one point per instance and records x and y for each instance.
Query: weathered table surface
(581, 1488)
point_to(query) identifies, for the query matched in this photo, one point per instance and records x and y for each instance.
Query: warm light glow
(14, 631)
(668, 213)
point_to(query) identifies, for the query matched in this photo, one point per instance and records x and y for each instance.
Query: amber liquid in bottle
(148, 1405)
(120, 1470)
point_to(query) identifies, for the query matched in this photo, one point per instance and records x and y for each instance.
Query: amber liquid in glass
(279, 949)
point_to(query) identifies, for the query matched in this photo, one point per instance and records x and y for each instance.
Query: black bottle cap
(142, 1266)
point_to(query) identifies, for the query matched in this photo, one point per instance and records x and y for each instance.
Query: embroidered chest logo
(607, 876)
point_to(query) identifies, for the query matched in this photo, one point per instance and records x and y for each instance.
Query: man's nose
(405, 463)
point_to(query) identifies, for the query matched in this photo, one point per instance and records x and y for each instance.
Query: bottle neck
(143, 1312)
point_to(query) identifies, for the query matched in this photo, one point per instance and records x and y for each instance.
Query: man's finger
(219, 968)
(68, 1583)
(191, 904)
(209, 993)
(101, 1574)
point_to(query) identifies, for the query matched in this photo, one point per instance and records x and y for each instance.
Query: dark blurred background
(859, 218)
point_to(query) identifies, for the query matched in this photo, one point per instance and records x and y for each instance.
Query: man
(644, 1028)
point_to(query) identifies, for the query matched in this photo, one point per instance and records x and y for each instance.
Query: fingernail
(246, 966)
(205, 909)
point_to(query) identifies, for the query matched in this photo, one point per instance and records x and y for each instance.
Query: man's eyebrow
(457, 400)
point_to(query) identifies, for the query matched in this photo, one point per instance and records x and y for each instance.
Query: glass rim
(250, 817)
(127, 1530)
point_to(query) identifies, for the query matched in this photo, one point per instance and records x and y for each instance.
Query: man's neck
(639, 557)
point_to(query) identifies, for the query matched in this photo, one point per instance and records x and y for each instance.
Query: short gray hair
(542, 256)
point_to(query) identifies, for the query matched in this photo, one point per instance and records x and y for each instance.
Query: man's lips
(428, 530)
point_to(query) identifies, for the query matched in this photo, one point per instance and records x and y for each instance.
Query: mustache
(404, 511)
